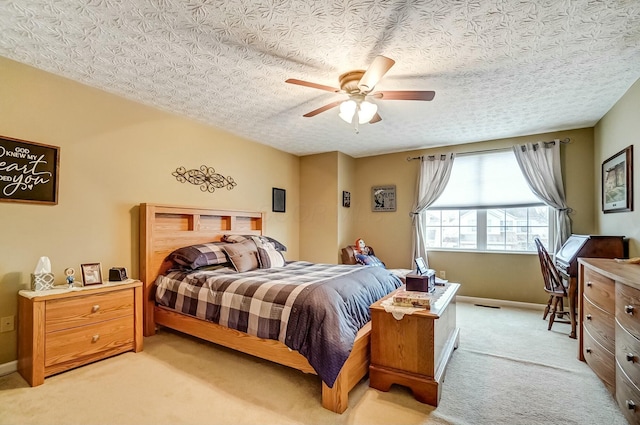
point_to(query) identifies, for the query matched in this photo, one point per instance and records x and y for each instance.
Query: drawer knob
(589, 283)
(630, 357)
(588, 317)
(631, 405)
(588, 350)
(628, 309)
(95, 308)
(95, 338)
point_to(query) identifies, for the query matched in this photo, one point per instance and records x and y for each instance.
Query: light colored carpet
(508, 369)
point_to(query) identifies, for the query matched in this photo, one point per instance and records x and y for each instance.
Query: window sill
(473, 251)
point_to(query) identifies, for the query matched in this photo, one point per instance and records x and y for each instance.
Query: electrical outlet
(442, 274)
(7, 324)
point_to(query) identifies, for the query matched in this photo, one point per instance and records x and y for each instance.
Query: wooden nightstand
(414, 351)
(61, 329)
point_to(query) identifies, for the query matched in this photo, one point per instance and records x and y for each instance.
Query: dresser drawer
(627, 396)
(601, 361)
(628, 353)
(85, 341)
(600, 324)
(67, 313)
(600, 290)
(628, 308)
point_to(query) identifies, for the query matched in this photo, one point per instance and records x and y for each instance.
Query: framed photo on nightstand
(91, 274)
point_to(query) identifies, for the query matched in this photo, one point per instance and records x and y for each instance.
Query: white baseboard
(7, 368)
(499, 303)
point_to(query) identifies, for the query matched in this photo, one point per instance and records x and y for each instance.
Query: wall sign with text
(28, 171)
(383, 198)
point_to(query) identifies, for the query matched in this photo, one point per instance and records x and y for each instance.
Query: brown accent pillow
(243, 255)
(200, 255)
(242, 238)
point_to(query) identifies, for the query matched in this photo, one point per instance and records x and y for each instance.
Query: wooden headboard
(164, 228)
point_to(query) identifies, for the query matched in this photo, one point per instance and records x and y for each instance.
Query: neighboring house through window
(487, 206)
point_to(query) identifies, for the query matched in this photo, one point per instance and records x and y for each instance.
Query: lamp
(357, 111)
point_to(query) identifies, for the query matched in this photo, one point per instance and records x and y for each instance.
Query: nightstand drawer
(68, 313)
(600, 324)
(85, 341)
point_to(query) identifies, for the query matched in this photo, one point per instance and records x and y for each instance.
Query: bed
(165, 228)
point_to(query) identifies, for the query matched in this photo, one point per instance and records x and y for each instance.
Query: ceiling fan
(359, 85)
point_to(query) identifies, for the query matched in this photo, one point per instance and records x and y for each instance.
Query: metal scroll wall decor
(205, 177)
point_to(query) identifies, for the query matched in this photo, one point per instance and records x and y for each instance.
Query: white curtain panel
(540, 165)
(432, 179)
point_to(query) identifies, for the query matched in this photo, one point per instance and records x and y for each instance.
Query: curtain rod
(565, 141)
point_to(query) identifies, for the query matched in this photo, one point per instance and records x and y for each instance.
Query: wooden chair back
(552, 280)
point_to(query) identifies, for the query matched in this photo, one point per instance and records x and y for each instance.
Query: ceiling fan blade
(320, 110)
(375, 119)
(312, 85)
(404, 95)
(377, 69)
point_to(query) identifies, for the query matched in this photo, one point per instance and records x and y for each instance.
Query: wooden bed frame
(164, 228)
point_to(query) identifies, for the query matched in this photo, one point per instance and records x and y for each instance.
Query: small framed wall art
(617, 181)
(346, 199)
(278, 200)
(383, 198)
(91, 273)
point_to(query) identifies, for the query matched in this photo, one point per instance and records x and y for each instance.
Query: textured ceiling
(500, 68)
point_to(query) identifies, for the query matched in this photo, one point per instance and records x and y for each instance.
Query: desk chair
(553, 286)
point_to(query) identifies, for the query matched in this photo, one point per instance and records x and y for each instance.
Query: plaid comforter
(316, 309)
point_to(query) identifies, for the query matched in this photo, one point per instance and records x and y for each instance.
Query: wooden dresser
(414, 350)
(65, 328)
(609, 328)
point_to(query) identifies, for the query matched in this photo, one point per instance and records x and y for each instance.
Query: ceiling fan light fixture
(347, 109)
(365, 110)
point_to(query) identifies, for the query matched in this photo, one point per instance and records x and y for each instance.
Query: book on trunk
(416, 299)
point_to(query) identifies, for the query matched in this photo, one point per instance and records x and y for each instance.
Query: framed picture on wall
(278, 200)
(617, 182)
(383, 198)
(346, 199)
(28, 171)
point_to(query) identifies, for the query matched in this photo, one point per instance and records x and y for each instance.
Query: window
(487, 206)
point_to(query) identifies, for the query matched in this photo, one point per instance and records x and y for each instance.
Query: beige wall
(346, 218)
(318, 207)
(325, 225)
(513, 277)
(618, 129)
(114, 155)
